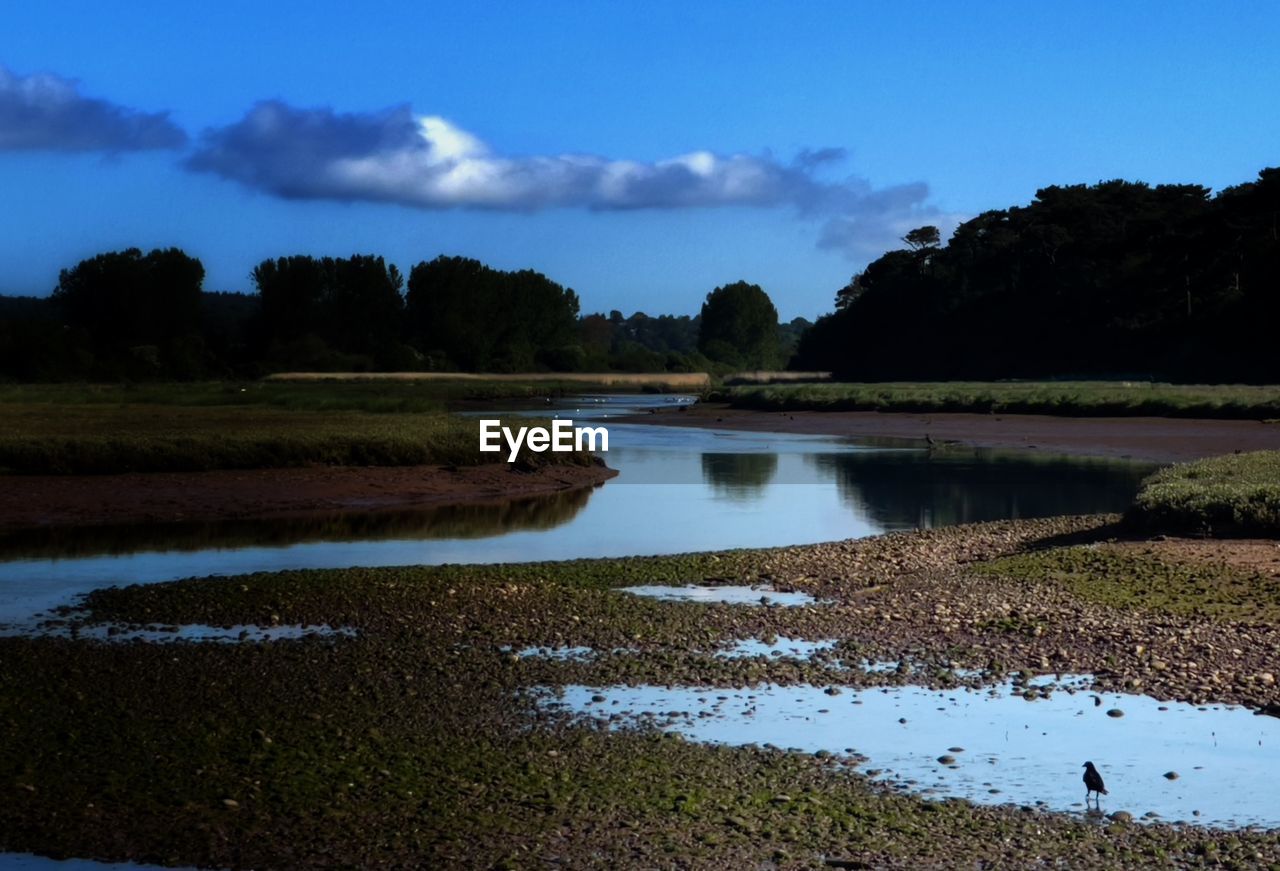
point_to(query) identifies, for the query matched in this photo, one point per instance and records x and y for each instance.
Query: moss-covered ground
(417, 743)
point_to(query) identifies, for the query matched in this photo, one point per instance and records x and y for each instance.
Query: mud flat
(1158, 439)
(433, 732)
(35, 501)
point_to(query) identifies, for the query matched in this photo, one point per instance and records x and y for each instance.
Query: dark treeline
(129, 315)
(1115, 279)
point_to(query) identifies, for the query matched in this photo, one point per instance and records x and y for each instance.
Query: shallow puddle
(726, 594)
(780, 647)
(993, 746)
(167, 633)
(32, 862)
(566, 653)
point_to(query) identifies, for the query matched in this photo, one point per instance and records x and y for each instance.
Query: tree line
(1117, 279)
(130, 315)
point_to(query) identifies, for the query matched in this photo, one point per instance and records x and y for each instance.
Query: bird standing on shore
(1093, 783)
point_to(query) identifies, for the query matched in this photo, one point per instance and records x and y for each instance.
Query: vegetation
(1078, 398)
(740, 327)
(478, 319)
(1133, 576)
(1118, 278)
(351, 305)
(128, 317)
(1234, 494)
(100, 438)
(370, 750)
(371, 392)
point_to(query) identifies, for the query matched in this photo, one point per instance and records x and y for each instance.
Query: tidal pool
(726, 594)
(990, 746)
(781, 647)
(158, 633)
(32, 862)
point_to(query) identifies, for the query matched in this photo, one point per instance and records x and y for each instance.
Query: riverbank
(425, 738)
(1155, 439)
(48, 501)
(1056, 398)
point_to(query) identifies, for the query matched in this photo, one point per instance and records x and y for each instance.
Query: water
(781, 647)
(32, 862)
(678, 489)
(727, 594)
(1010, 750)
(156, 633)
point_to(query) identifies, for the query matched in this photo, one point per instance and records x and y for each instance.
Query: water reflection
(445, 521)
(739, 476)
(989, 746)
(909, 489)
(678, 490)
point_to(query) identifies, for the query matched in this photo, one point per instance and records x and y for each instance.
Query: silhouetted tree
(923, 237)
(1114, 279)
(140, 312)
(126, 299)
(740, 327)
(349, 305)
(465, 315)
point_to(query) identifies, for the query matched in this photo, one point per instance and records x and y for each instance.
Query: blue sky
(639, 153)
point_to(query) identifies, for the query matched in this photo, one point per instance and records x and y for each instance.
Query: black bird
(1093, 783)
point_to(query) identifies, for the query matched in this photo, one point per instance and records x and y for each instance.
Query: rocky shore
(420, 741)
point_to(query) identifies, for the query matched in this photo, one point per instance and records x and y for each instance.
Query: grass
(418, 743)
(101, 438)
(1067, 398)
(1129, 579)
(518, 380)
(1234, 494)
(323, 393)
(167, 427)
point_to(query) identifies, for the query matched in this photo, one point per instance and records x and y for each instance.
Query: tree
(135, 308)
(352, 305)
(923, 237)
(464, 314)
(1118, 279)
(740, 327)
(848, 295)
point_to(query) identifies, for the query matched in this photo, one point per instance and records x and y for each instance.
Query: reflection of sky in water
(726, 594)
(1030, 751)
(30, 862)
(678, 490)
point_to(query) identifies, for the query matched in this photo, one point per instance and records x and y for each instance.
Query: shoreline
(62, 501)
(378, 724)
(1154, 439)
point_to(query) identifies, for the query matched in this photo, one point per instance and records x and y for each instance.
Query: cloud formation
(45, 112)
(395, 156)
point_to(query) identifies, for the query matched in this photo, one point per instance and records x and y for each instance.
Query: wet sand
(36, 501)
(1155, 439)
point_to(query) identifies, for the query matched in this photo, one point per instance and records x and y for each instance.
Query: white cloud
(45, 112)
(428, 162)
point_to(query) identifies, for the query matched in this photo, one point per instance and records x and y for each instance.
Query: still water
(678, 489)
(1162, 760)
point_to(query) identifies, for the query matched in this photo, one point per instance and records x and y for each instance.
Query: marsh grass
(1066, 398)
(1128, 579)
(102, 438)
(1237, 494)
(375, 397)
